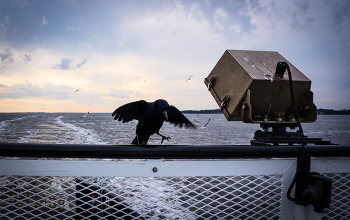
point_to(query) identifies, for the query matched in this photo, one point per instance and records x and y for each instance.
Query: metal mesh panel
(229, 197)
(27, 197)
(340, 201)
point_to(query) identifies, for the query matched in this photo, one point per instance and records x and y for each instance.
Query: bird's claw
(163, 138)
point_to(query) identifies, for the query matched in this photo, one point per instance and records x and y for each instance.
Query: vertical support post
(303, 179)
(287, 206)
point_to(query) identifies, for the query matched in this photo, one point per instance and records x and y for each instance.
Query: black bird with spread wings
(151, 116)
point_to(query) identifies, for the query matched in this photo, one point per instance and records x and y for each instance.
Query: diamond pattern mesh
(340, 200)
(229, 197)
(208, 197)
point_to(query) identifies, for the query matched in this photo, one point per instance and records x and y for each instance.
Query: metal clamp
(211, 82)
(224, 102)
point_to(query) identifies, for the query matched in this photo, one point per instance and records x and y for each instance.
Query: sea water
(100, 128)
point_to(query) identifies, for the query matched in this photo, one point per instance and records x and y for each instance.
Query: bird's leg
(163, 137)
(138, 141)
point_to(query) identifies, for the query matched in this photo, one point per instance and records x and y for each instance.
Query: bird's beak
(165, 115)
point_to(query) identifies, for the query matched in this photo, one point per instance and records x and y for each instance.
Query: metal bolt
(266, 119)
(155, 169)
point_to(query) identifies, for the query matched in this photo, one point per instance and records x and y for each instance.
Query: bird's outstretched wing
(207, 123)
(177, 118)
(131, 111)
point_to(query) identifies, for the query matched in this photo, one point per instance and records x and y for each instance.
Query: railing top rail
(167, 151)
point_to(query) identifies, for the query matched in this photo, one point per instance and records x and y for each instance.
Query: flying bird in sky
(151, 116)
(77, 90)
(189, 78)
(204, 126)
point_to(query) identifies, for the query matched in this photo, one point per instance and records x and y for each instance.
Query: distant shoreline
(208, 111)
(320, 111)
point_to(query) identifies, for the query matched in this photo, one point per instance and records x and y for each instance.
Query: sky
(79, 56)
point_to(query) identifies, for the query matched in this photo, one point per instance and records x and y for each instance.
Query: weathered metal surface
(240, 70)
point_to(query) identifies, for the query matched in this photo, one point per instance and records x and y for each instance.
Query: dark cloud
(302, 5)
(300, 22)
(64, 65)
(340, 12)
(28, 58)
(256, 6)
(82, 63)
(6, 57)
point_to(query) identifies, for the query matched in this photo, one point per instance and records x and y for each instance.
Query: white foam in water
(146, 193)
(2, 125)
(81, 135)
(5, 123)
(28, 137)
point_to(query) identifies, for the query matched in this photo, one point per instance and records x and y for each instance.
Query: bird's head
(163, 107)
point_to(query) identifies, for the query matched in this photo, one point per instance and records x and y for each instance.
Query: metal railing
(164, 182)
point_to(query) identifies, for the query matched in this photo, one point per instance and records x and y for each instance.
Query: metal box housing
(246, 89)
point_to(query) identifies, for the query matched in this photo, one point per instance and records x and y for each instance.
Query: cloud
(220, 14)
(165, 46)
(22, 3)
(343, 83)
(44, 21)
(82, 63)
(3, 30)
(6, 57)
(340, 13)
(59, 92)
(74, 29)
(27, 58)
(28, 90)
(64, 65)
(119, 93)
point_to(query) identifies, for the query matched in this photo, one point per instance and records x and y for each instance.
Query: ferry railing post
(312, 188)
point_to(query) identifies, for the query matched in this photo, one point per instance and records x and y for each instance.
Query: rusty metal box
(244, 85)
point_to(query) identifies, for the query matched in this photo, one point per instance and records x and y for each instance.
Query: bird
(205, 126)
(151, 116)
(77, 90)
(84, 116)
(189, 78)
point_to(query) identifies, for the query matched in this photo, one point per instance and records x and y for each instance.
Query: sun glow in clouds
(117, 52)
